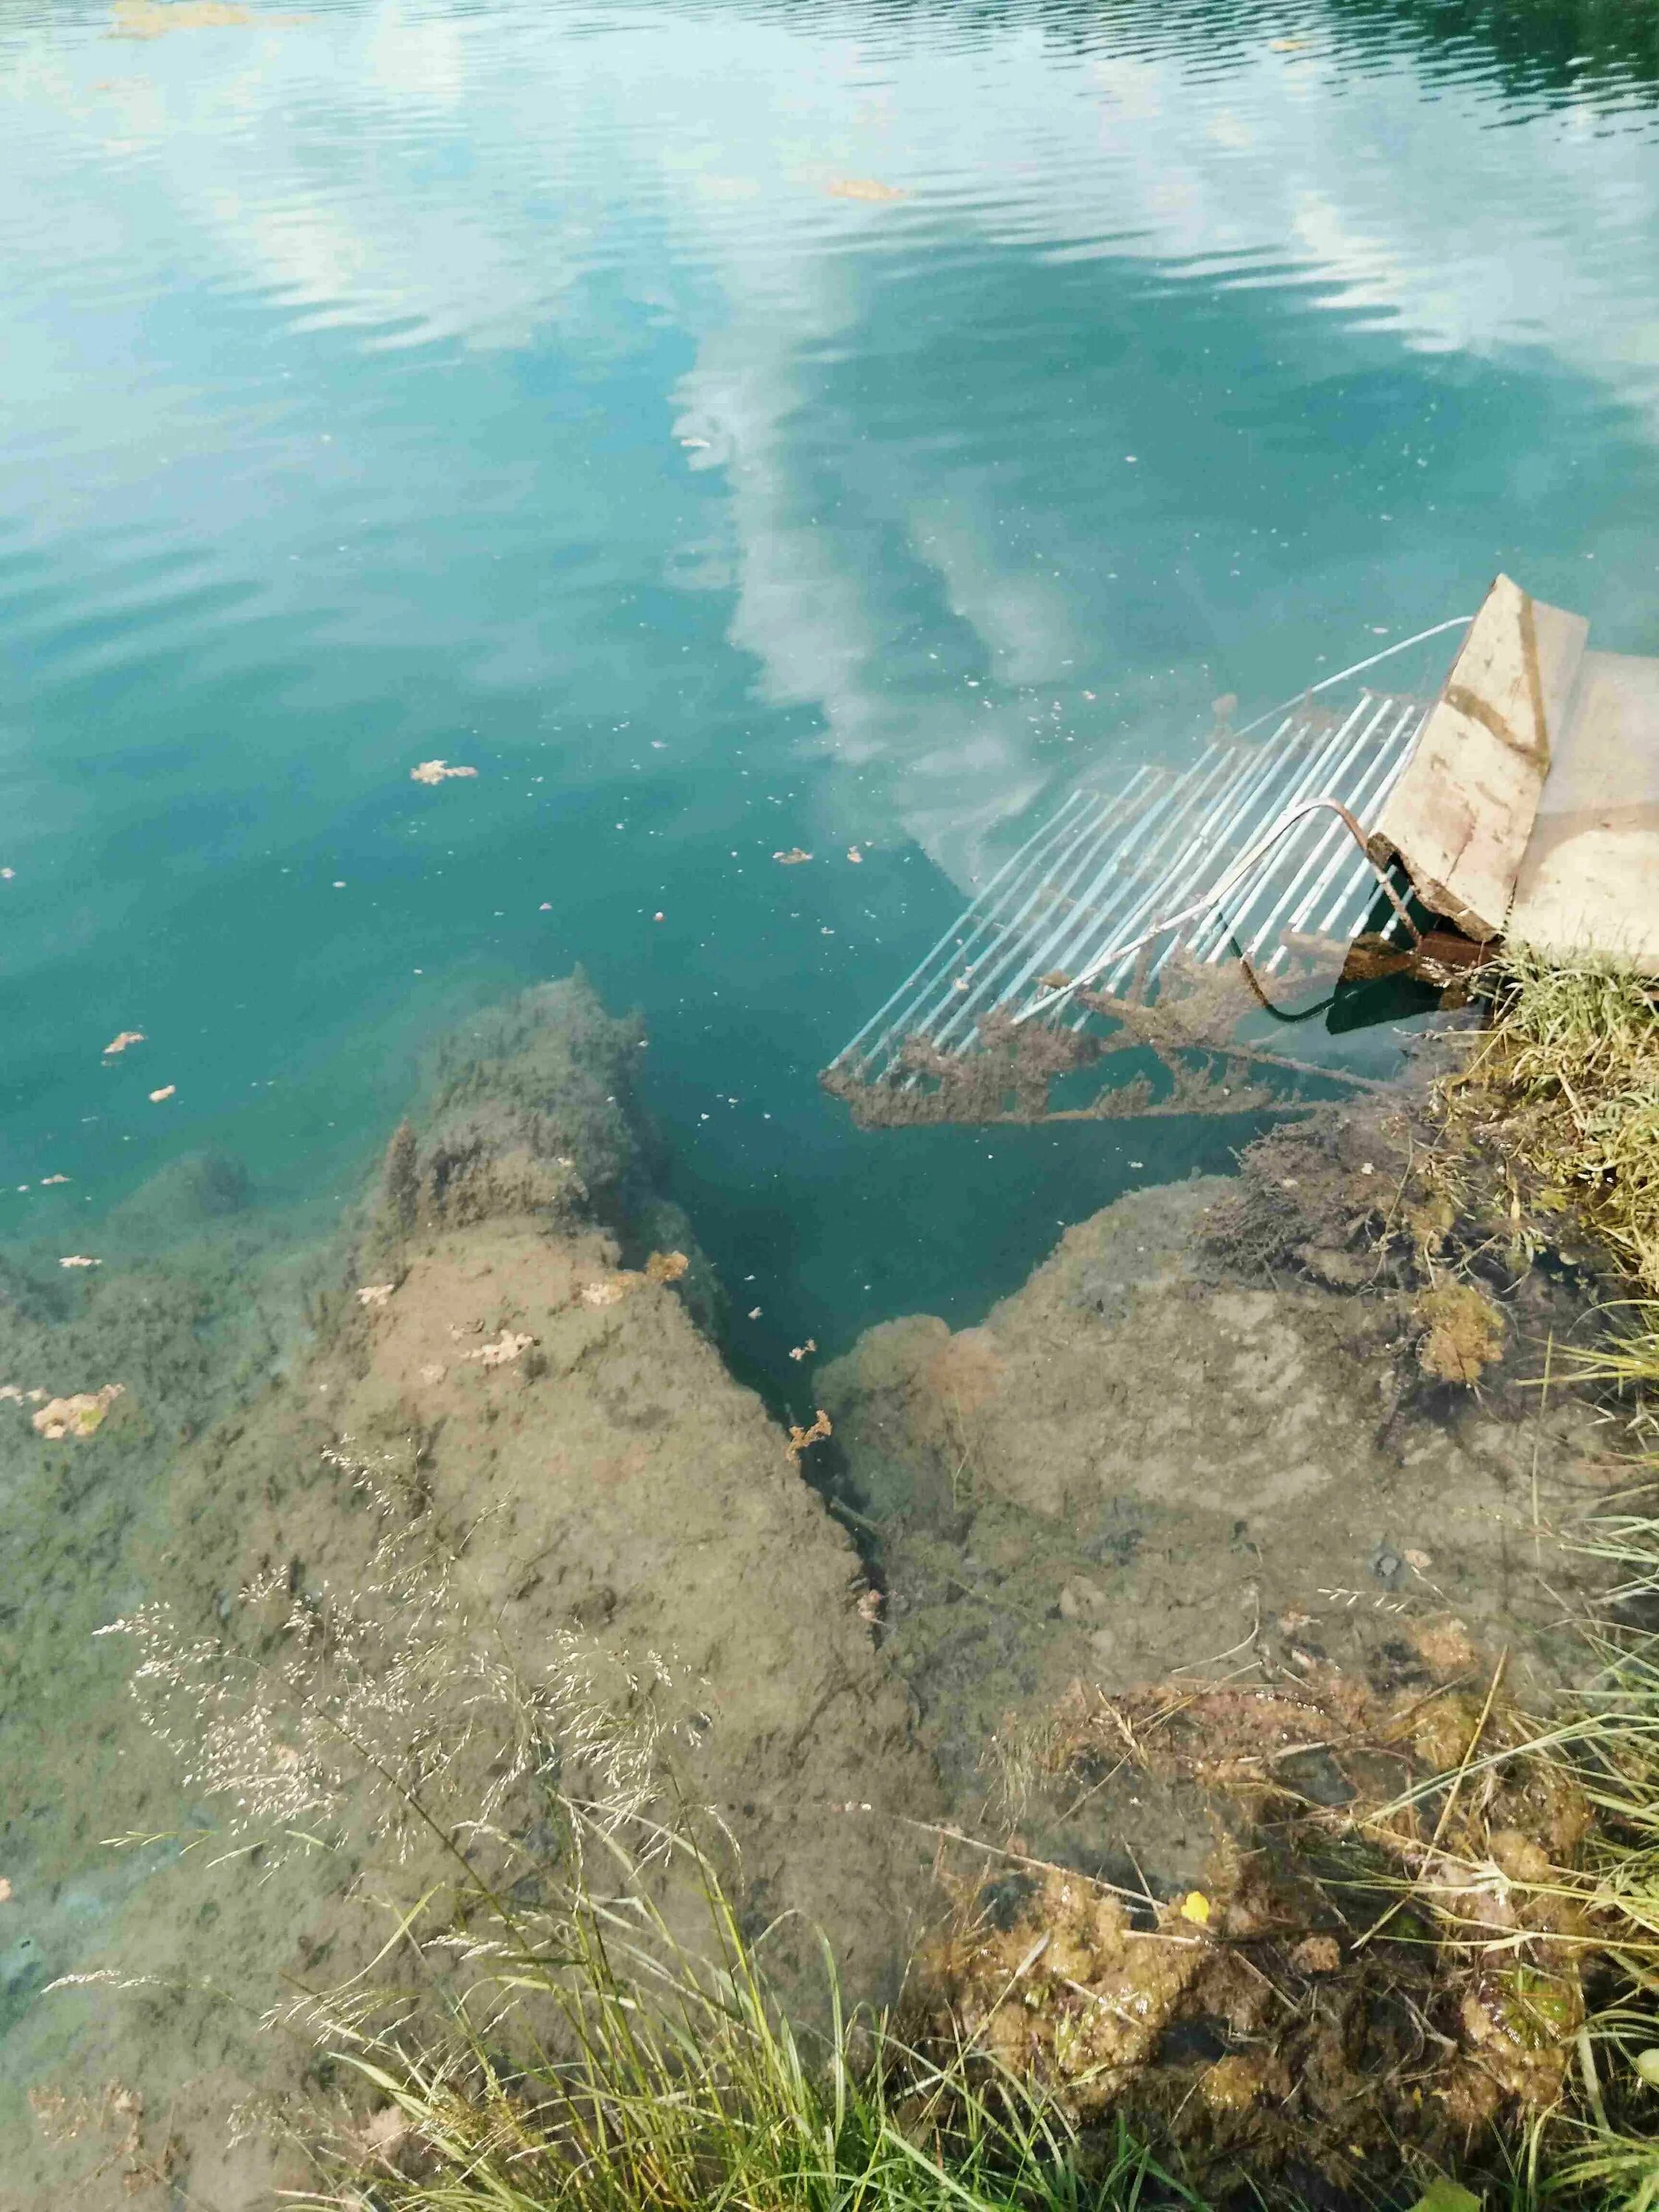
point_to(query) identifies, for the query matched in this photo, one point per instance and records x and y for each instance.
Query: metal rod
(1309, 774)
(1218, 933)
(1329, 848)
(1286, 822)
(1351, 899)
(999, 916)
(1194, 790)
(851, 1047)
(1245, 794)
(1358, 669)
(1302, 874)
(1159, 814)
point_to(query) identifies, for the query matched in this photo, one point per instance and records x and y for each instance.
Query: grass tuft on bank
(1561, 1090)
(1563, 1083)
(668, 2078)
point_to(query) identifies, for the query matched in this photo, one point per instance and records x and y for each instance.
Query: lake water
(730, 428)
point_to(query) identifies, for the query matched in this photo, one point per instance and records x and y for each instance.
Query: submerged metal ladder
(1255, 845)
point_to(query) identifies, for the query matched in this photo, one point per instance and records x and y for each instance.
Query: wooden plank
(1589, 882)
(1462, 810)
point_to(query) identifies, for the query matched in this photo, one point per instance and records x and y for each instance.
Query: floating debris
(665, 1267)
(608, 1293)
(154, 19)
(1464, 1333)
(5, 1891)
(166, 1090)
(6, 875)
(46, 1182)
(120, 1043)
(800, 1438)
(374, 1294)
(800, 1351)
(437, 771)
(79, 1260)
(510, 1345)
(869, 1608)
(79, 1415)
(793, 858)
(863, 188)
(855, 856)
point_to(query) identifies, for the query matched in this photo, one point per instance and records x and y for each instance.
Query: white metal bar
(1353, 888)
(1158, 815)
(1248, 801)
(850, 1048)
(1310, 773)
(1358, 668)
(1241, 868)
(1330, 848)
(993, 927)
(1311, 861)
(1072, 938)
(1211, 938)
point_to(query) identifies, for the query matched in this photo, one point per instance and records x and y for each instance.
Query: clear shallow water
(731, 429)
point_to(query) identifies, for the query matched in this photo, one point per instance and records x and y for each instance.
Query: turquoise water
(730, 428)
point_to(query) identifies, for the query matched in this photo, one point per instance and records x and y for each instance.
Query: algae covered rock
(509, 1421)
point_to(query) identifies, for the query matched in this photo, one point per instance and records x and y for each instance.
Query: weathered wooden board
(1462, 811)
(1589, 881)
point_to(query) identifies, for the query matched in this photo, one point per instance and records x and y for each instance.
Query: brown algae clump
(1379, 1949)
(1463, 1333)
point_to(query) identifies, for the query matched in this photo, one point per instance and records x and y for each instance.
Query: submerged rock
(1241, 1466)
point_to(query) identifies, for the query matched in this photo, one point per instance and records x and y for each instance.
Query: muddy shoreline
(1204, 1440)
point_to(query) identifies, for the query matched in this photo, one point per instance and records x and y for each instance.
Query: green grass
(665, 2079)
(1563, 1085)
(1564, 1082)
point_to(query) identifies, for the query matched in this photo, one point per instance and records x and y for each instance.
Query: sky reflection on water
(731, 429)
